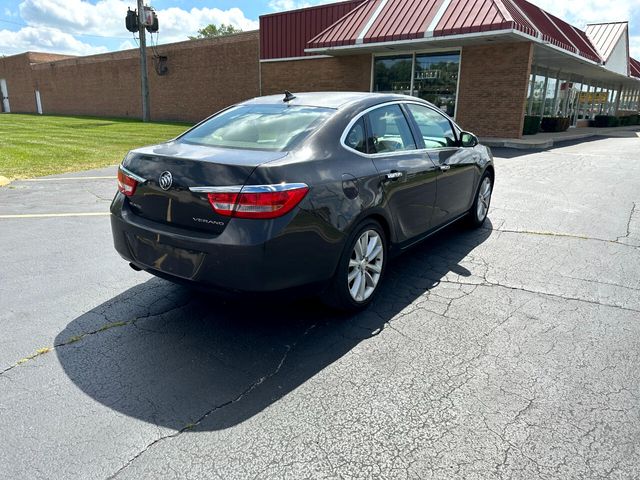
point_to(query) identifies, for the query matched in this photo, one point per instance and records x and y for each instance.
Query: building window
(393, 74)
(436, 80)
(430, 76)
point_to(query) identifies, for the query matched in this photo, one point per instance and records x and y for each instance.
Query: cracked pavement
(510, 352)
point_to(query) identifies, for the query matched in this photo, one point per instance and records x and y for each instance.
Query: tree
(211, 31)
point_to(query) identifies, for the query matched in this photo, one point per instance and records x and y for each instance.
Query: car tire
(482, 201)
(346, 291)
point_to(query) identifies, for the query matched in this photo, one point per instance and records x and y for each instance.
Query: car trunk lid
(189, 165)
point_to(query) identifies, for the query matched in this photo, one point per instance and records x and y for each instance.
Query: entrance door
(5, 96)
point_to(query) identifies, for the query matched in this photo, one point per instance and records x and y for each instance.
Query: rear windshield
(260, 127)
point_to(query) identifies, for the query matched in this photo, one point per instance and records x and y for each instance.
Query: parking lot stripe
(53, 215)
(110, 177)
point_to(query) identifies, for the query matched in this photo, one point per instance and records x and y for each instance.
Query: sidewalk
(541, 141)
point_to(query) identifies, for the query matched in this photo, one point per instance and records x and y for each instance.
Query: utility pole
(144, 76)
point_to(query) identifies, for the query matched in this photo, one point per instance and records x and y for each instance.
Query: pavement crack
(81, 336)
(191, 426)
(38, 353)
(102, 199)
(565, 235)
(628, 234)
(487, 283)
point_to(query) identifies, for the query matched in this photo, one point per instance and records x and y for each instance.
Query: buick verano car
(314, 189)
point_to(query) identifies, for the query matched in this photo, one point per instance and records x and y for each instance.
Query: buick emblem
(166, 180)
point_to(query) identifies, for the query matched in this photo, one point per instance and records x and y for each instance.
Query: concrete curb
(4, 181)
(543, 144)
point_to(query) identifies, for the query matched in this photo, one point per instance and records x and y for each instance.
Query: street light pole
(144, 77)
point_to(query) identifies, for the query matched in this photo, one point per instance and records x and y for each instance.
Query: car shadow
(185, 360)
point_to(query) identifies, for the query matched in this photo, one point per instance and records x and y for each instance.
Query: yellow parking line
(110, 177)
(53, 215)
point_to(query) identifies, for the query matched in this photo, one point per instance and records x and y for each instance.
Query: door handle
(445, 168)
(393, 175)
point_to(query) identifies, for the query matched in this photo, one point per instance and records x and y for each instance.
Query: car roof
(334, 100)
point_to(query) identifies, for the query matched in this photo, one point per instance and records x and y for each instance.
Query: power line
(39, 27)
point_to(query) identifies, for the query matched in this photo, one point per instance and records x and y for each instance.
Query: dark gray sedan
(313, 189)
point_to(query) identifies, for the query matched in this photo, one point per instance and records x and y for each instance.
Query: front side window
(258, 127)
(435, 128)
(390, 131)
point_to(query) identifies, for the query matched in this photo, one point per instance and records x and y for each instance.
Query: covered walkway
(545, 140)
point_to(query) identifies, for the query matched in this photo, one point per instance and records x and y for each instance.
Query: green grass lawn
(33, 145)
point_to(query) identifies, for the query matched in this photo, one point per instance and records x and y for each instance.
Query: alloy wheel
(365, 265)
(484, 199)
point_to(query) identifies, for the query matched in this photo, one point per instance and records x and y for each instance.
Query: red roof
(634, 66)
(464, 16)
(345, 31)
(557, 31)
(285, 34)
(394, 24)
(396, 20)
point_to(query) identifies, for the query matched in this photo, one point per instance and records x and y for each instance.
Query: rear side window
(435, 128)
(356, 137)
(259, 127)
(390, 131)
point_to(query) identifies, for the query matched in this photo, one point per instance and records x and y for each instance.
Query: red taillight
(126, 184)
(268, 201)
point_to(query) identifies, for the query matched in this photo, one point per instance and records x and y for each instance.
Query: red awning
(378, 21)
(634, 67)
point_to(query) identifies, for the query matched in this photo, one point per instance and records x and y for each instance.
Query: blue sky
(83, 27)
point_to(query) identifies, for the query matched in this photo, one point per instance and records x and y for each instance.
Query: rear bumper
(248, 256)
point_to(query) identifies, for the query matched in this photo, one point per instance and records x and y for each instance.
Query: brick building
(488, 63)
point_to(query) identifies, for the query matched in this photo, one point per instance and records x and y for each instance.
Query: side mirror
(468, 139)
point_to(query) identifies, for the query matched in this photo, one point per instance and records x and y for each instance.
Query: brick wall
(349, 73)
(17, 71)
(204, 76)
(493, 88)
(104, 85)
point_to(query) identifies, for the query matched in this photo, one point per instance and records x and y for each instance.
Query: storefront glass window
(538, 95)
(393, 74)
(436, 79)
(550, 102)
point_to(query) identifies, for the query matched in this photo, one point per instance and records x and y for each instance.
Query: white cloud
(177, 24)
(591, 11)
(8, 13)
(44, 40)
(281, 5)
(634, 45)
(106, 18)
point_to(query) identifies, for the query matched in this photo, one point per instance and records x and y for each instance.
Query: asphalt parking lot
(508, 352)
